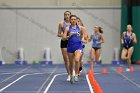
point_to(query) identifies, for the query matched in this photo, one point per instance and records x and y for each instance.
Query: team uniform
(128, 43)
(64, 43)
(74, 42)
(96, 38)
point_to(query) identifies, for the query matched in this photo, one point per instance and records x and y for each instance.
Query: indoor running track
(52, 79)
(39, 79)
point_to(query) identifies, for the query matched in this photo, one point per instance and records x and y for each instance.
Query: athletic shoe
(127, 69)
(71, 79)
(73, 72)
(68, 78)
(76, 78)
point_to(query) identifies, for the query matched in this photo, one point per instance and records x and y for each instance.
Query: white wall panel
(28, 30)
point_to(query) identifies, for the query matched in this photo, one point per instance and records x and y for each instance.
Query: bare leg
(97, 55)
(81, 63)
(92, 57)
(124, 53)
(77, 56)
(71, 56)
(130, 52)
(66, 60)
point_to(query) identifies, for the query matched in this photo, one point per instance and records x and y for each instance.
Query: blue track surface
(60, 85)
(114, 82)
(36, 79)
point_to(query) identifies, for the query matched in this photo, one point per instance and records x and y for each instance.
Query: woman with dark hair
(75, 35)
(80, 23)
(128, 39)
(97, 40)
(61, 27)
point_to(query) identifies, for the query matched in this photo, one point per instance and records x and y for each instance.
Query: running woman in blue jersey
(62, 25)
(75, 35)
(80, 23)
(128, 39)
(97, 40)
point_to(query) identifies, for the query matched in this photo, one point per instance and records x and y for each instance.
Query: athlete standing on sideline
(62, 25)
(128, 39)
(73, 33)
(97, 40)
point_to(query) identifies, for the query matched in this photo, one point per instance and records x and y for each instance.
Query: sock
(80, 68)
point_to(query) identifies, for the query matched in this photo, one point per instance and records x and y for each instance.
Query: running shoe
(127, 69)
(72, 79)
(68, 78)
(76, 79)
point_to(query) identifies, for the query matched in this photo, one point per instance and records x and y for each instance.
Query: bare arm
(59, 33)
(134, 38)
(102, 40)
(122, 38)
(84, 34)
(90, 38)
(65, 37)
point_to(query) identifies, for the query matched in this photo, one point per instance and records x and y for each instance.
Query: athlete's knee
(129, 58)
(77, 60)
(91, 59)
(123, 57)
(67, 63)
(66, 60)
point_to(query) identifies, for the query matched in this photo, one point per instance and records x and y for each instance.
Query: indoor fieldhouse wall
(62, 2)
(35, 29)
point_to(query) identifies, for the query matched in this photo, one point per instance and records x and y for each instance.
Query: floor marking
(49, 85)
(68, 91)
(90, 87)
(5, 73)
(49, 91)
(46, 80)
(18, 80)
(47, 88)
(14, 75)
(12, 83)
(131, 81)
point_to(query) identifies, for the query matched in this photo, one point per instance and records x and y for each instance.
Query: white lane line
(6, 73)
(49, 85)
(46, 80)
(12, 83)
(18, 80)
(49, 92)
(68, 91)
(131, 81)
(90, 87)
(14, 75)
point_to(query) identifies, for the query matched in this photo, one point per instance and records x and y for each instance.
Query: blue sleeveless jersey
(76, 37)
(74, 42)
(96, 38)
(127, 40)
